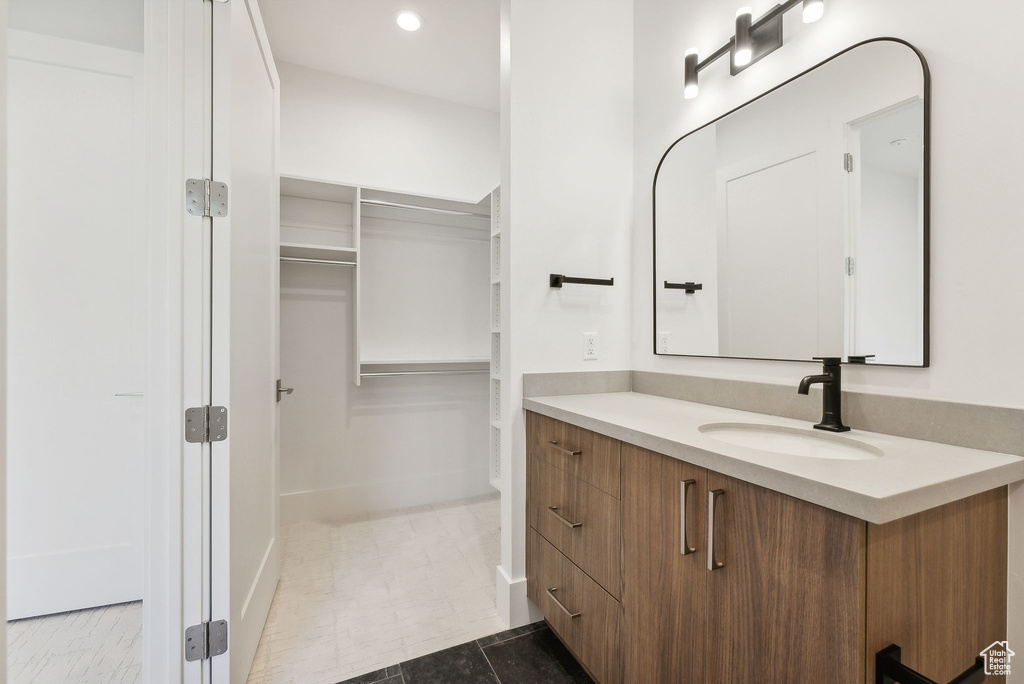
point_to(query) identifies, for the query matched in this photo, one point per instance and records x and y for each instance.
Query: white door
(768, 263)
(244, 470)
(76, 324)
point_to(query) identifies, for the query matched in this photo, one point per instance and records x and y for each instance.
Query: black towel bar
(889, 670)
(688, 286)
(557, 280)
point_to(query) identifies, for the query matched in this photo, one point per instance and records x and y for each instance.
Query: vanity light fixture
(752, 40)
(813, 9)
(408, 20)
(743, 48)
(690, 74)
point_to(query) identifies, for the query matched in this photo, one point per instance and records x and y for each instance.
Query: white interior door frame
(178, 77)
(241, 587)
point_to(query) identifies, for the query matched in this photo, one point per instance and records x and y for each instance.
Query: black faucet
(831, 393)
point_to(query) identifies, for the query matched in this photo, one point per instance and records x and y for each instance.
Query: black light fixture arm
(771, 14)
(557, 280)
(750, 42)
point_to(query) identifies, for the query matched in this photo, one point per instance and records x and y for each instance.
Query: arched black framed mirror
(797, 224)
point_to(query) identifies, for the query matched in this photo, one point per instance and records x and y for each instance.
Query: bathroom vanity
(665, 545)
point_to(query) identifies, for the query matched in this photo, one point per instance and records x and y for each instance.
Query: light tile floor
(365, 593)
(93, 646)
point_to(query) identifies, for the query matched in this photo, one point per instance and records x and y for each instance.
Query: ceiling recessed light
(408, 21)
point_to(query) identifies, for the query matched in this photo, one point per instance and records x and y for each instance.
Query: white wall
(976, 290)
(393, 442)
(567, 129)
(3, 333)
(357, 133)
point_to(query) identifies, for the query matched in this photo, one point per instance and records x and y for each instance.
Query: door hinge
(204, 197)
(206, 424)
(206, 640)
(848, 162)
(849, 266)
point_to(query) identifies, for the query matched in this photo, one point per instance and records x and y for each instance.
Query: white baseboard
(374, 497)
(46, 583)
(514, 608)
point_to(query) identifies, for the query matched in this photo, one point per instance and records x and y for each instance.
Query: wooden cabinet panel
(598, 544)
(663, 591)
(597, 460)
(593, 634)
(937, 585)
(547, 569)
(550, 486)
(596, 639)
(787, 605)
(594, 544)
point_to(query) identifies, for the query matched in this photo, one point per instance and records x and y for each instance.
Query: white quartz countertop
(911, 476)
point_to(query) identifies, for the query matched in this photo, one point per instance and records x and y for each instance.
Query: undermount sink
(777, 439)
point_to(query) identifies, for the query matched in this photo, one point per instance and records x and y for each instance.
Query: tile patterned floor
(358, 595)
(527, 655)
(93, 646)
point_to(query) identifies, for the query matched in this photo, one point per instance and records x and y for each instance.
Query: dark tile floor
(525, 655)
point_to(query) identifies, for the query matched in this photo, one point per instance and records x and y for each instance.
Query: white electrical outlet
(663, 342)
(589, 346)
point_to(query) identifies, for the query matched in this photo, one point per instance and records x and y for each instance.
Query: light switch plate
(589, 346)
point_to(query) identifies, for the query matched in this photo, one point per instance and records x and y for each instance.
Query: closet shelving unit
(500, 441)
(313, 242)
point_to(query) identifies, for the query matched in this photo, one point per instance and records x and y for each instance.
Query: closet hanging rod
(397, 205)
(303, 260)
(426, 372)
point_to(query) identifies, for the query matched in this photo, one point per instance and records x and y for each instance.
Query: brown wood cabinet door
(787, 604)
(550, 488)
(937, 586)
(549, 585)
(663, 595)
(583, 454)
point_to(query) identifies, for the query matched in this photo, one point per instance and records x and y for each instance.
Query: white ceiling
(454, 56)
(877, 135)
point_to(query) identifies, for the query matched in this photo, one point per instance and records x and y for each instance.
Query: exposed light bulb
(813, 9)
(408, 20)
(690, 74)
(744, 48)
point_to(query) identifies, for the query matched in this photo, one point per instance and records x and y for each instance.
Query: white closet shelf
(425, 367)
(294, 250)
(421, 362)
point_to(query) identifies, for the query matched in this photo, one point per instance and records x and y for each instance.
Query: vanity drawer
(581, 613)
(579, 520)
(586, 455)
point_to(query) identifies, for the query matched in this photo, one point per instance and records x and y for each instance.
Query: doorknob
(283, 390)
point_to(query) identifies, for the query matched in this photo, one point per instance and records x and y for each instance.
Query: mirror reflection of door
(76, 341)
(769, 236)
(886, 234)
